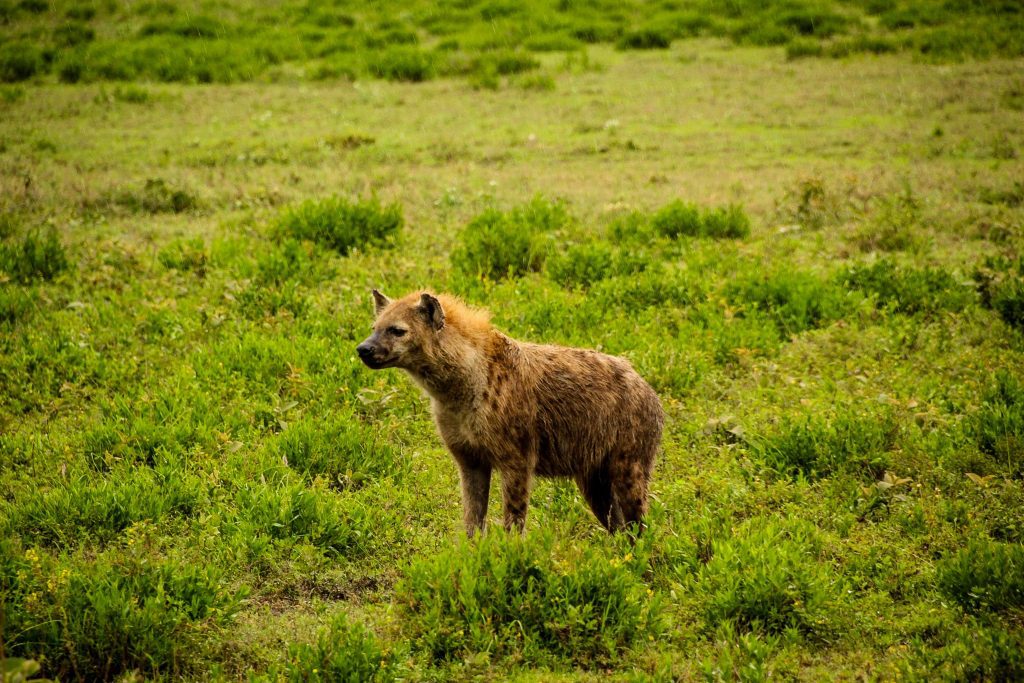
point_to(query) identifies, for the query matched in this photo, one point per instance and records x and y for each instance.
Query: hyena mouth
(377, 363)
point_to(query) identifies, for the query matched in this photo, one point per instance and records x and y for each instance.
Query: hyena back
(523, 409)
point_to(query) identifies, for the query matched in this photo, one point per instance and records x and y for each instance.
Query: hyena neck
(457, 375)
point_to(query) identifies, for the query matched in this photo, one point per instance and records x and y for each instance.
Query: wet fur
(524, 409)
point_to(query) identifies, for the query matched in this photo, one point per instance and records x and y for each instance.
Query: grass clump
(679, 219)
(185, 255)
(768, 577)
(340, 449)
(998, 427)
(37, 256)
(984, 576)
(20, 62)
(1000, 282)
(342, 652)
(157, 196)
(794, 301)
(403, 64)
(97, 620)
(512, 597)
(505, 244)
(649, 38)
(819, 447)
(582, 265)
(340, 224)
(908, 290)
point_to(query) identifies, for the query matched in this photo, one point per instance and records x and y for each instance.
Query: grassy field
(818, 263)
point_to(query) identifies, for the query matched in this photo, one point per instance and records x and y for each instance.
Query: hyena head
(404, 333)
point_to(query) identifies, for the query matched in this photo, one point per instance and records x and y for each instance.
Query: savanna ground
(809, 241)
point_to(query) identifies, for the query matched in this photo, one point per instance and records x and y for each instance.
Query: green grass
(816, 262)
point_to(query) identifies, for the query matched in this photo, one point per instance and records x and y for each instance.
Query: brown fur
(523, 409)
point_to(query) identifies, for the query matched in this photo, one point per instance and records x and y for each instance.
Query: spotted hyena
(523, 409)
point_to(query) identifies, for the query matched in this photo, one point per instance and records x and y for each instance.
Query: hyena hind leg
(596, 487)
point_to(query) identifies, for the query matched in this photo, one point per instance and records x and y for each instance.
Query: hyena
(523, 409)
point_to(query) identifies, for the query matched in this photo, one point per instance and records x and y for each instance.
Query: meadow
(802, 223)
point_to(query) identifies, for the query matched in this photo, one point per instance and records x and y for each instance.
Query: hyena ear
(380, 302)
(431, 309)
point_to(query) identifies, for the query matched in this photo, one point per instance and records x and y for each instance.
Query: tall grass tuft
(340, 224)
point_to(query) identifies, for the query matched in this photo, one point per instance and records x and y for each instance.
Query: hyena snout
(372, 354)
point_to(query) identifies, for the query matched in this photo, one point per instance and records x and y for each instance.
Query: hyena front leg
(476, 489)
(515, 491)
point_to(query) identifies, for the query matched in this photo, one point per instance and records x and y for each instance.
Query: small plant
(584, 264)
(403, 64)
(794, 301)
(984, 576)
(679, 219)
(185, 256)
(908, 290)
(345, 452)
(811, 204)
(500, 244)
(513, 597)
(768, 577)
(38, 256)
(19, 62)
(342, 652)
(818, 447)
(340, 224)
(649, 38)
(998, 427)
(157, 196)
(892, 227)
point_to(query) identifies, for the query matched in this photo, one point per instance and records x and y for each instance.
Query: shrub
(768, 577)
(984, 576)
(156, 196)
(817, 447)
(16, 304)
(402, 64)
(998, 427)
(684, 219)
(1008, 301)
(340, 449)
(38, 256)
(342, 652)
(512, 597)
(97, 620)
(649, 38)
(20, 62)
(505, 62)
(892, 227)
(794, 301)
(185, 256)
(499, 244)
(798, 49)
(340, 224)
(906, 289)
(73, 33)
(290, 511)
(584, 264)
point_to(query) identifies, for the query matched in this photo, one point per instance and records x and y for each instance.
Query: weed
(768, 577)
(892, 227)
(984, 576)
(340, 449)
(817, 447)
(499, 244)
(908, 290)
(514, 598)
(340, 224)
(38, 256)
(998, 427)
(342, 652)
(679, 219)
(811, 205)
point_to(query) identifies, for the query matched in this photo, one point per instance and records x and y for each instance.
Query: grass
(816, 262)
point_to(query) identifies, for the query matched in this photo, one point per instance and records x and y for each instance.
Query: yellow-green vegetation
(818, 263)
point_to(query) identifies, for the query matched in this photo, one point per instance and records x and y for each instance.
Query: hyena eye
(397, 331)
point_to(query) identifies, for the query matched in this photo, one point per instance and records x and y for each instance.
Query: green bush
(402, 64)
(20, 62)
(95, 620)
(73, 33)
(340, 224)
(998, 427)
(908, 290)
(585, 264)
(512, 597)
(156, 196)
(984, 576)
(769, 577)
(499, 244)
(347, 453)
(817, 447)
(342, 652)
(649, 38)
(678, 219)
(794, 301)
(38, 256)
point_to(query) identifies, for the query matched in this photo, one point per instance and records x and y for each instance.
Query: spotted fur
(523, 409)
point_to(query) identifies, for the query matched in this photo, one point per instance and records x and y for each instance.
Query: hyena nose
(364, 350)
